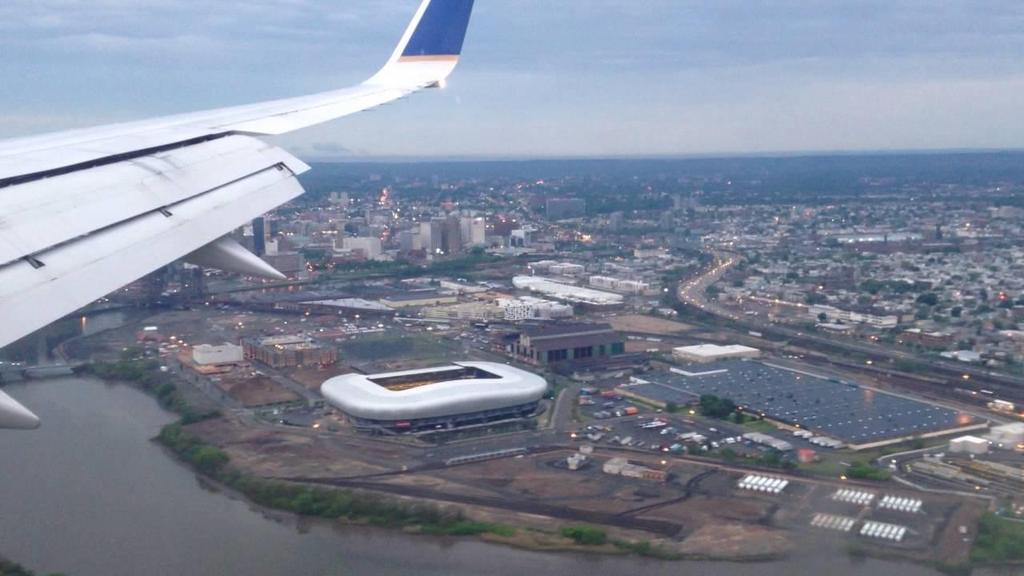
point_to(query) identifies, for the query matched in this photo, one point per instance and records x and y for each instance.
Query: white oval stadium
(455, 395)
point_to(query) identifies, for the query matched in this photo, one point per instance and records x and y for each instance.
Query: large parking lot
(833, 408)
(647, 429)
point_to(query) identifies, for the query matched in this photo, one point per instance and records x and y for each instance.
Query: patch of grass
(585, 535)
(470, 528)
(999, 541)
(828, 468)
(646, 549)
(864, 471)
(763, 426)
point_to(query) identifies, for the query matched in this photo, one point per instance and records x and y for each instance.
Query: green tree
(209, 459)
(714, 407)
(585, 535)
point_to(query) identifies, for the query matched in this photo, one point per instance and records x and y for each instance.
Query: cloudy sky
(543, 77)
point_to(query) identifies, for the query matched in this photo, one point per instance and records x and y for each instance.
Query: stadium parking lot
(656, 431)
(829, 407)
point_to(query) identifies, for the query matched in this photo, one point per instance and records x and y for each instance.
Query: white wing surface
(85, 212)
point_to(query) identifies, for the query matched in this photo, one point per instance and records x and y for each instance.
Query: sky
(542, 78)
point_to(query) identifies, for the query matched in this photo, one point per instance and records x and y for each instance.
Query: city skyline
(608, 79)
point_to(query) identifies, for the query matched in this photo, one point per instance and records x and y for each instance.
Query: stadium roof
(358, 395)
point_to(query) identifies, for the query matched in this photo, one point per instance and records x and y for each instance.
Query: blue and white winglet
(84, 212)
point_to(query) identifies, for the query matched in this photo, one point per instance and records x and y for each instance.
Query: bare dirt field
(735, 541)
(697, 513)
(281, 452)
(312, 378)
(648, 325)
(643, 346)
(256, 391)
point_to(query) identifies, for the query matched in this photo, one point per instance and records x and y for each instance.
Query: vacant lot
(258, 391)
(385, 352)
(648, 325)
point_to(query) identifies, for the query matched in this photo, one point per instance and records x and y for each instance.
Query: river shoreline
(126, 490)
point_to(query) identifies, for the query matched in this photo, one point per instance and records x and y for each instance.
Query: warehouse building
(553, 343)
(444, 397)
(418, 298)
(968, 445)
(347, 307)
(1007, 435)
(225, 354)
(288, 351)
(587, 297)
(713, 352)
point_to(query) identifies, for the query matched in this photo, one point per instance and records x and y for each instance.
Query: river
(88, 494)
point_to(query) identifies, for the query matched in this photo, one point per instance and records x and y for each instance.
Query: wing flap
(80, 271)
(43, 213)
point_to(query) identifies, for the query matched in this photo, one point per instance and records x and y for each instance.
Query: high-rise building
(432, 235)
(451, 243)
(478, 232)
(259, 236)
(409, 241)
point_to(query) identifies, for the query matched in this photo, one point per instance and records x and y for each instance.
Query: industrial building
(553, 343)
(530, 308)
(873, 318)
(634, 287)
(558, 268)
(207, 355)
(1008, 435)
(713, 352)
(968, 445)
(567, 292)
(288, 351)
(443, 397)
(418, 298)
(622, 467)
(347, 307)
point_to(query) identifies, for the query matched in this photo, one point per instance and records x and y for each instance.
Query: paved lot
(833, 408)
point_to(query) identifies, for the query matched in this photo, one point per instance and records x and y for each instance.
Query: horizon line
(353, 159)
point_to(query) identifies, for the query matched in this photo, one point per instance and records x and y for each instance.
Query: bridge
(17, 373)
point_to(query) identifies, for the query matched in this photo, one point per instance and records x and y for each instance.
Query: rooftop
(713, 350)
(357, 303)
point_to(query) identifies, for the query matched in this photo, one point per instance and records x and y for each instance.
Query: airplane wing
(84, 212)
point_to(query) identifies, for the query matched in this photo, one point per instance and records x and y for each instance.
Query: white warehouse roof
(706, 352)
(566, 292)
(357, 395)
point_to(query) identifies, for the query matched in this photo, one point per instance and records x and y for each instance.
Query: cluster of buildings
(289, 351)
(940, 276)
